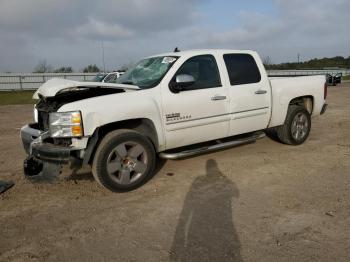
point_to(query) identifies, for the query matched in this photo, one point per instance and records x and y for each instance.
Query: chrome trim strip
(250, 115)
(174, 128)
(200, 118)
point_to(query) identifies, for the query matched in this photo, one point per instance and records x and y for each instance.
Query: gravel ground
(260, 202)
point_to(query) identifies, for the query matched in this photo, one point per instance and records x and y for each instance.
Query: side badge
(176, 117)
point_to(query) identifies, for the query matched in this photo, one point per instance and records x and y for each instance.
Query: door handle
(260, 92)
(216, 98)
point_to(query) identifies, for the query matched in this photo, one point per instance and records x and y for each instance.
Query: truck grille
(43, 120)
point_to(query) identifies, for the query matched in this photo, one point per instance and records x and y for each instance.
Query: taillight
(325, 90)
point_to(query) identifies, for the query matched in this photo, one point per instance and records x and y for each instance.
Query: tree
(316, 63)
(267, 60)
(92, 68)
(64, 69)
(43, 67)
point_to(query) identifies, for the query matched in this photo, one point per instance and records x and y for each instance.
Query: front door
(200, 112)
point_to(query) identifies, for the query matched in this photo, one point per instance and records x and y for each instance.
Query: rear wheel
(123, 160)
(297, 126)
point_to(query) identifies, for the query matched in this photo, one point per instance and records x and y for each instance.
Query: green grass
(16, 97)
(346, 78)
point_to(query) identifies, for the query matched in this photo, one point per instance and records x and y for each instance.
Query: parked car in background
(108, 77)
(335, 79)
(111, 77)
(99, 77)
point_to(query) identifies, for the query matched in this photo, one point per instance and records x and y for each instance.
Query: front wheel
(123, 160)
(297, 126)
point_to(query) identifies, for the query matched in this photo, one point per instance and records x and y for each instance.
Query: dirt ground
(260, 202)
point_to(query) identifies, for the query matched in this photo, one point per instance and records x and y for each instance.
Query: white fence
(344, 72)
(33, 81)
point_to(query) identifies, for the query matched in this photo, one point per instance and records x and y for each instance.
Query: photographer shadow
(205, 230)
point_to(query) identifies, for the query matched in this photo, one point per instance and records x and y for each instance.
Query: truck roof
(204, 51)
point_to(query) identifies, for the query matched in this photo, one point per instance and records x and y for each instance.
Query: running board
(172, 155)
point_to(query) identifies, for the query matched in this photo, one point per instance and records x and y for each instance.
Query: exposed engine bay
(51, 104)
(47, 105)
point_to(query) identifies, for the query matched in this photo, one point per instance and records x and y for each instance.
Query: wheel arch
(280, 108)
(144, 126)
(305, 101)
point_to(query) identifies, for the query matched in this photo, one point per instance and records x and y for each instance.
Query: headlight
(66, 124)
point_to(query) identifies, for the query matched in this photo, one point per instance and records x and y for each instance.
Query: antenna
(176, 50)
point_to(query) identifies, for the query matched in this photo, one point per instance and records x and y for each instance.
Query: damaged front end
(47, 142)
(38, 145)
(57, 138)
(45, 157)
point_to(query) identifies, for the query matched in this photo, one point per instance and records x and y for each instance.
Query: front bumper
(34, 145)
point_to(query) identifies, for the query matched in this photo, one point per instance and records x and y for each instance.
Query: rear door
(249, 91)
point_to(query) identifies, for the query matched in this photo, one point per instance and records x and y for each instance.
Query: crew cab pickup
(172, 105)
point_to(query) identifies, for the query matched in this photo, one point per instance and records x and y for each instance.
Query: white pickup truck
(173, 105)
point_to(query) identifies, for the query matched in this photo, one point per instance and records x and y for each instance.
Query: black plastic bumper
(324, 108)
(34, 146)
(51, 153)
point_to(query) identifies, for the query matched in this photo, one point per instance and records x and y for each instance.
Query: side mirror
(181, 82)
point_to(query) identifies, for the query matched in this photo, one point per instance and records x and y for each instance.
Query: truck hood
(57, 85)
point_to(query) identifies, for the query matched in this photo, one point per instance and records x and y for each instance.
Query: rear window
(242, 69)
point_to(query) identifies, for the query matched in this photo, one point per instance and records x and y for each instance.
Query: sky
(72, 32)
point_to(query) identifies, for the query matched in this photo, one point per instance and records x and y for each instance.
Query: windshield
(148, 72)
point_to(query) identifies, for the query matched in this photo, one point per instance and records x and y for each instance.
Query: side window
(204, 70)
(242, 69)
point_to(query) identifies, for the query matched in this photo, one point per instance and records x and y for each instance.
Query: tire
(123, 160)
(297, 126)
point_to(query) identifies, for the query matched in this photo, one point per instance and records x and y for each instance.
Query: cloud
(101, 30)
(41, 18)
(69, 33)
(49, 18)
(300, 26)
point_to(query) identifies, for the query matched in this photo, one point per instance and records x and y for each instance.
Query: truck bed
(284, 89)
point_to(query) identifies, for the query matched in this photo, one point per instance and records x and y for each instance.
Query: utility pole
(103, 57)
(298, 55)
